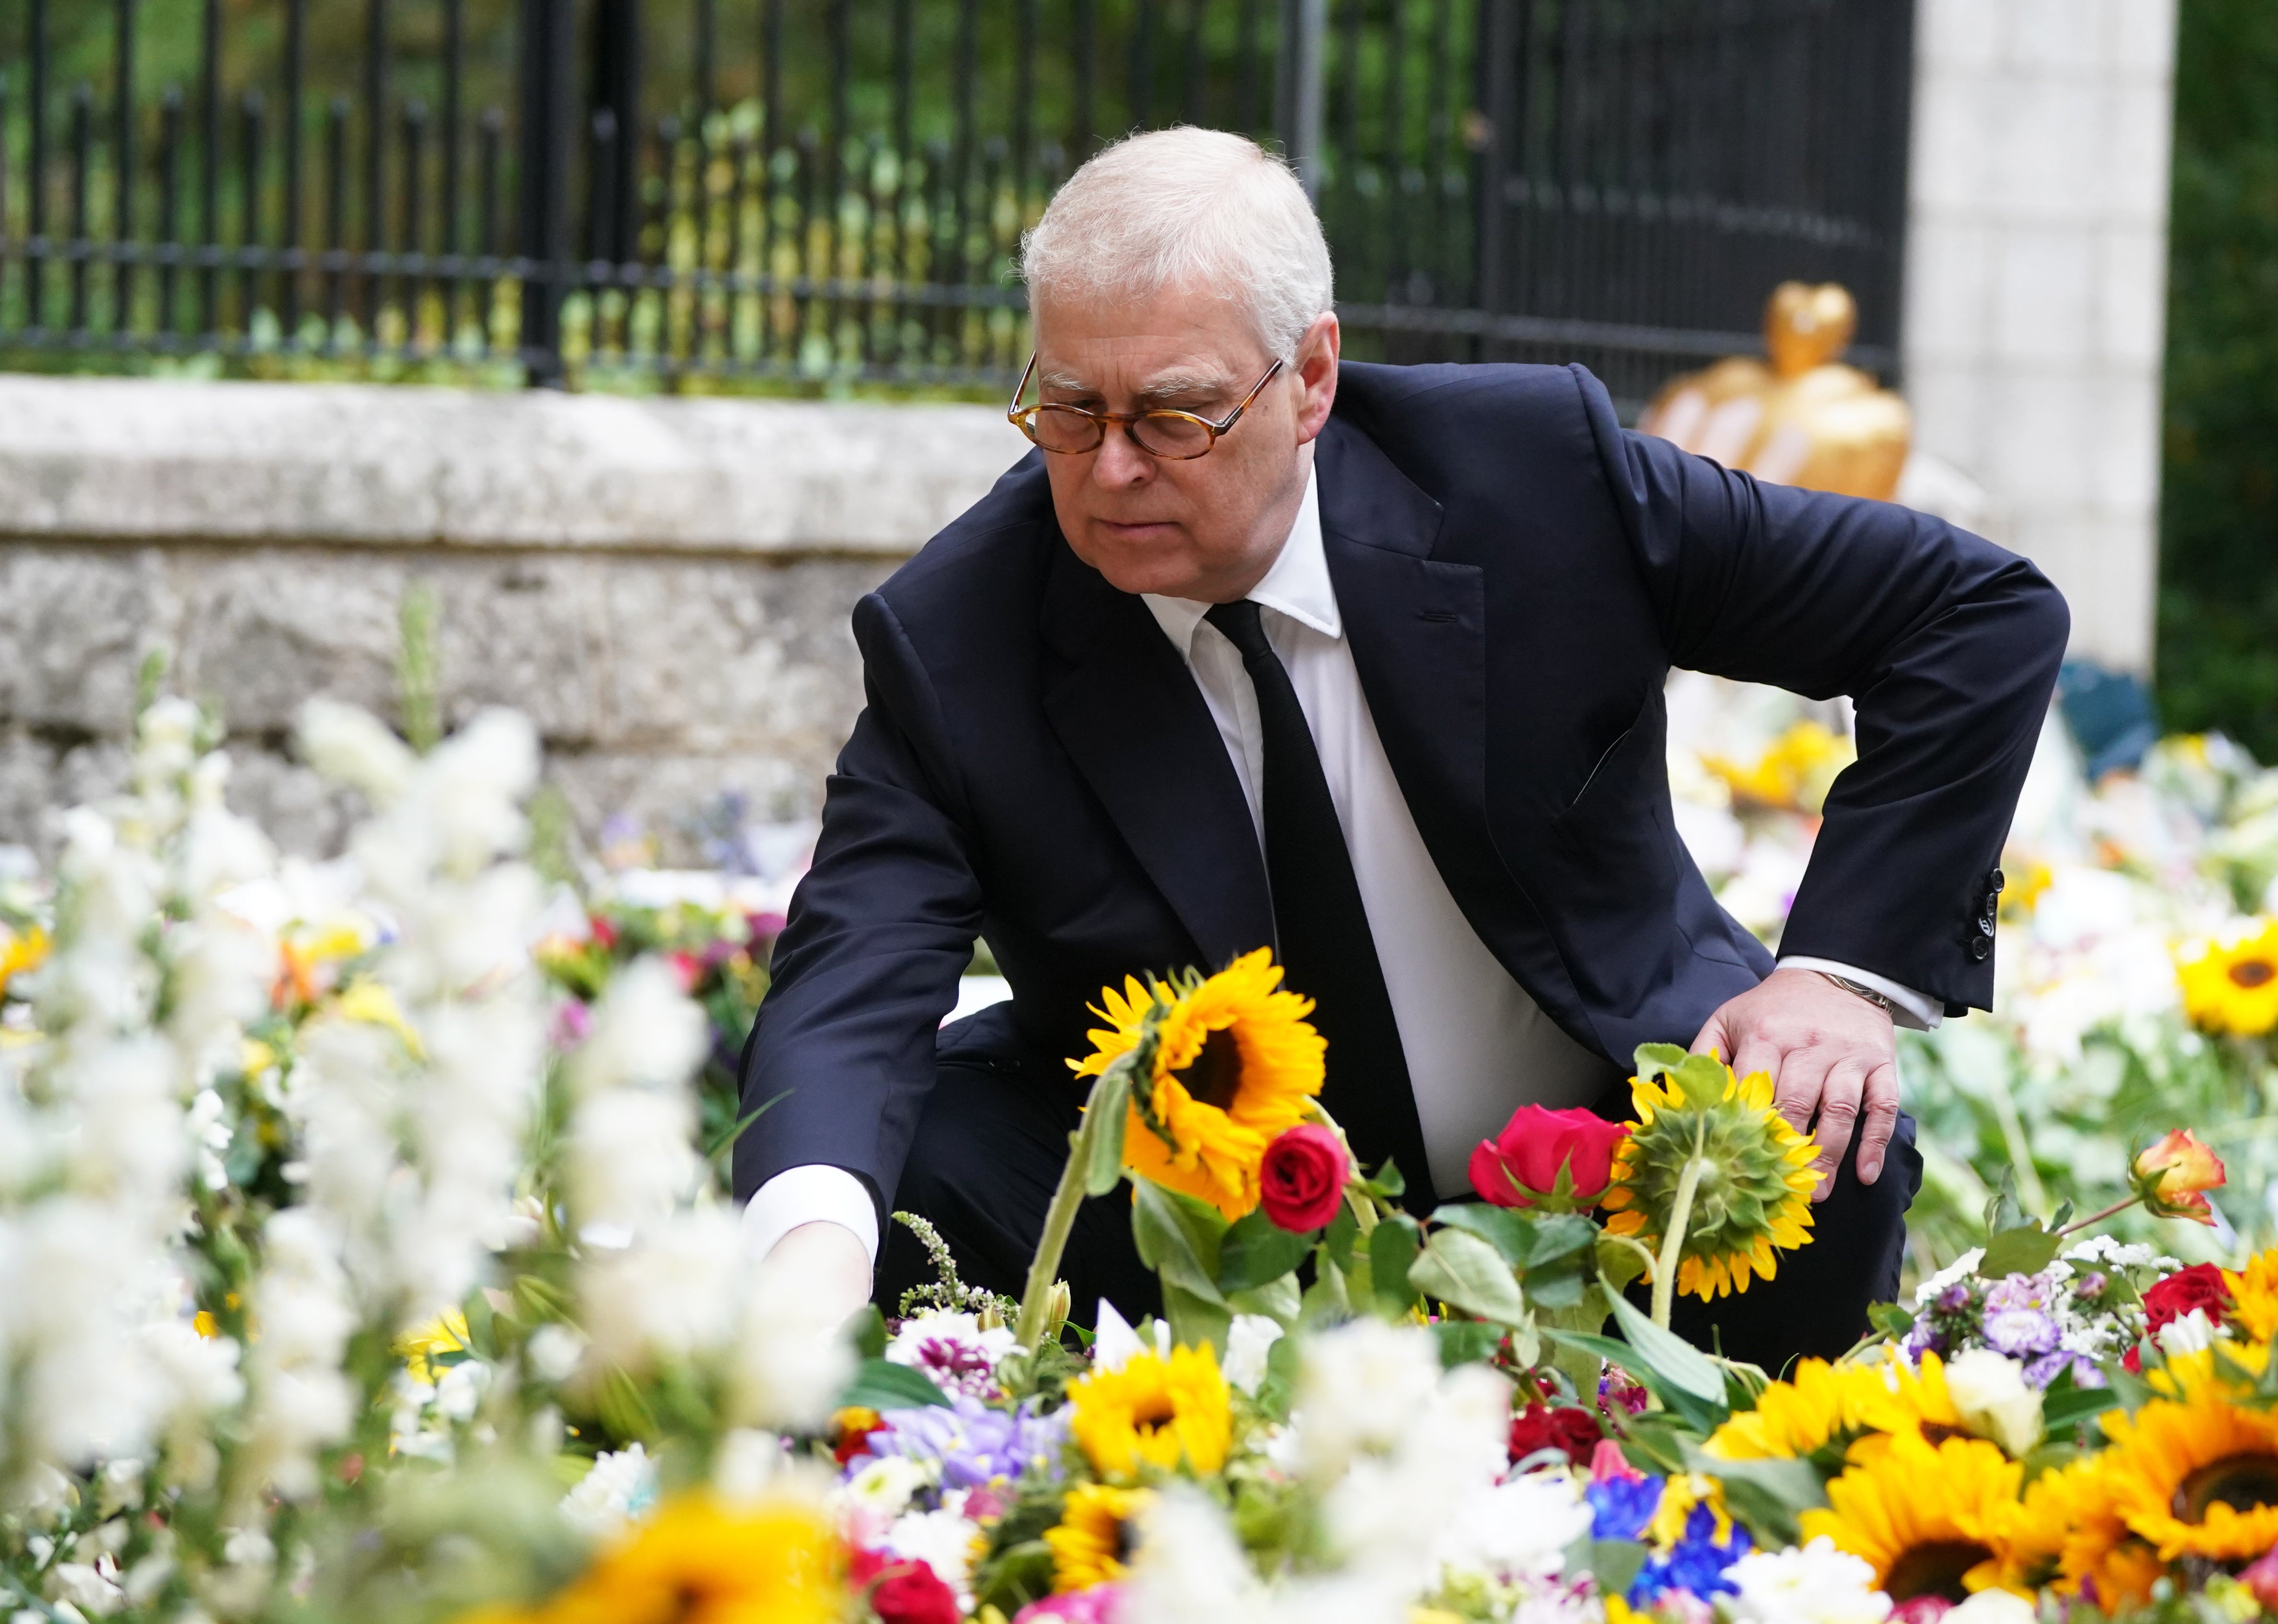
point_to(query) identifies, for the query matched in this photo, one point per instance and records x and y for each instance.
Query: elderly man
(1364, 662)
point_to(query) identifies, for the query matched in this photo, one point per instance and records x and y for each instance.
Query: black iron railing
(613, 192)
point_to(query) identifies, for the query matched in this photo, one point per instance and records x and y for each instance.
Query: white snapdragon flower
(673, 1296)
(301, 1400)
(619, 1487)
(646, 1033)
(1812, 1584)
(791, 1360)
(629, 1162)
(1249, 1341)
(1994, 1399)
(944, 1542)
(348, 745)
(1359, 1387)
(1516, 1531)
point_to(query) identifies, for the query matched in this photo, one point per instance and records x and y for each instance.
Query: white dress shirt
(1478, 1047)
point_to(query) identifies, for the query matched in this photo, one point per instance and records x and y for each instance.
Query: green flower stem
(2098, 1217)
(1672, 1240)
(1060, 1218)
(1363, 1205)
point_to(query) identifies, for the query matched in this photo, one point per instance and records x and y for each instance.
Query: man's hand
(1831, 1054)
(830, 1261)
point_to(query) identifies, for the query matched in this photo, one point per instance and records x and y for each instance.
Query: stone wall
(662, 585)
(2037, 285)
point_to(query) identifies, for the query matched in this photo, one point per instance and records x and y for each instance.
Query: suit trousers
(990, 1145)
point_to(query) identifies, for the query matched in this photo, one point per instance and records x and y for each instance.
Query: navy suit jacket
(1034, 764)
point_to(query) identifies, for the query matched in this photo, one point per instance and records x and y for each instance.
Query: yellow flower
(2230, 981)
(372, 1004)
(1236, 1065)
(2068, 1534)
(1929, 1517)
(2254, 1296)
(19, 953)
(1756, 1181)
(1845, 1405)
(2194, 1472)
(1094, 1535)
(446, 1334)
(701, 1561)
(1794, 773)
(1153, 1412)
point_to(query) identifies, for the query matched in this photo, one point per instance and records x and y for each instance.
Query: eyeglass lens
(1169, 434)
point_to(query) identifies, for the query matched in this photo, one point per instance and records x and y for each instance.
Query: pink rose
(1520, 1167)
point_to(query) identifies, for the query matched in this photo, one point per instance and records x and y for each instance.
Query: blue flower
(1695, 1563)
(1620, 1507)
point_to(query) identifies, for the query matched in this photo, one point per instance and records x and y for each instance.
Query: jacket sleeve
(1947, 644)
(879, 930)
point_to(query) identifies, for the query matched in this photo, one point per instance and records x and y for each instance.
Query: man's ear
(1316, 369)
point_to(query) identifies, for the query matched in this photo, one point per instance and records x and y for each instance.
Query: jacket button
(1981, 947)
(1997, 881)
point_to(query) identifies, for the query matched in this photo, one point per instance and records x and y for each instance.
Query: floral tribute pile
(367, 1259)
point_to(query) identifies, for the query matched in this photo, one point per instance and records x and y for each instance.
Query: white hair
(1187, 207)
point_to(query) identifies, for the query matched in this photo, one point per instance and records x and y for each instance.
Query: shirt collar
(1298, 585)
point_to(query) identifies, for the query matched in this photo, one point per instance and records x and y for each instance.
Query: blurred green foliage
(2218, 660)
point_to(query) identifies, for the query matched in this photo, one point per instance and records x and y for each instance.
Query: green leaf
(1392, 1247)
(1194, 1319)
(1890, 1319)
(1769, 1495)
(1277, 1299)
(1465, 1272)
(2025, 1250)
(2064, 1406)
(1616, 1564)
(881, 1385)
(1273, 1392)
(1178, 1238)
(1559, 1236)
(1670, 1357)
(1344, 1230)
(1618, 1264)
(1256, 1251)
(867, 1330)
(1651, 1060)
(1507, 1230)
(1111, 1099)
(1388, 1184)
(1466, 1342)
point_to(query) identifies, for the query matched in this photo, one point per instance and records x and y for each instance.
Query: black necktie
(1326, 947)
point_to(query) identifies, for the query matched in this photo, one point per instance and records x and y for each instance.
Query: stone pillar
(2037, 283)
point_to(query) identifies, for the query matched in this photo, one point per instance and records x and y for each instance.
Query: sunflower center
(1215, 1075)
(1152, 1413)
(2253, 972)
(1934, 1567)
(1123, 1540)
(2240, 1482)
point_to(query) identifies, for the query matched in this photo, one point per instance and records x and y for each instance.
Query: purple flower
(974, 1443)
(2090, 1285)
(2019, 1292)
(2019, 1333)
(2048, 1367)
(1924, 1338)
(1954, 1299)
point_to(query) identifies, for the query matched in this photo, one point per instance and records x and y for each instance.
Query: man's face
(1208, 528)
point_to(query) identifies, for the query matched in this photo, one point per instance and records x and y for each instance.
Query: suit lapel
(1129, 714)
(1417, 627)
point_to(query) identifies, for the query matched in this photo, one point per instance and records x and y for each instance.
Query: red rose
(1927, 1608)
(1302, 1177)
(905, 1592)
(1520, 1167)
(1574, 1431)
(2199, 1286)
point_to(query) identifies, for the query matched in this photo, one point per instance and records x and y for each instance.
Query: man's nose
(1119, 463)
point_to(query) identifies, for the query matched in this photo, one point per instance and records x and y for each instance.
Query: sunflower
(700, 1560)
(1093, 1540)
(2194, 1472)
(1154, 1412)
(1931, 1518)
(2230, 981)
(1843, 1406)
(1236, 1064)
(2068, 1534)
(2254, 1296)
(1756, 1180)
